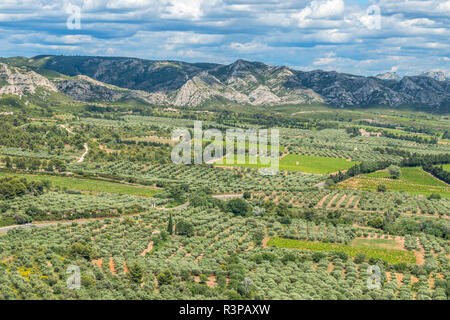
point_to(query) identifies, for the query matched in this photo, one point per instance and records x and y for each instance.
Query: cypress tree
(170, 226)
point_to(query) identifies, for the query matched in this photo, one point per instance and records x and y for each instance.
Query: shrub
(21, 218)
(394, 171)
(360, 258)
(238, 207)
(184, 228)
(247, 195)
(81, 250)
(434, 196)
(165, 277)
(136, 273)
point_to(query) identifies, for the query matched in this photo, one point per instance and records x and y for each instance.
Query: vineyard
(412, 180)
(100, 192)
(209, 264)
(357, 201)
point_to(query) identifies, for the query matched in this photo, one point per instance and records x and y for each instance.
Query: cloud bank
(360, 37)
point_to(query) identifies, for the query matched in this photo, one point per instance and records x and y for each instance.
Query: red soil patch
(7, 259)
(250, 248)
(420, 260)
(420, 254)
(111, 266)
(321, 202)
(357, 203)
(431, 283)
(350, 202)
(338, 205)
(264, 242)
(187, 255)
(199, 257)
(330, 267)
(98, 262)
(211, 282)
(399, 277)
(148, 249)
(332, 200)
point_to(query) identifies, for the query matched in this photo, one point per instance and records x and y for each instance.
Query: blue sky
(360, 37)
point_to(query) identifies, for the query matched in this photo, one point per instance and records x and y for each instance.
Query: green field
(306, 164)
(246, 145)
(246, 164)
(446, 167)
(376, 243)
(412, 180)
(388, 255)
(87, 185)
(314, 164)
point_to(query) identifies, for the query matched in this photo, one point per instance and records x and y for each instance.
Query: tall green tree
(170, 226)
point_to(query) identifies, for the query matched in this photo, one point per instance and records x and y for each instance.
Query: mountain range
(181, 84)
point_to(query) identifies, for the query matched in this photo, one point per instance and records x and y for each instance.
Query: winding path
(67, 129)
(86, 148)
(84, 154)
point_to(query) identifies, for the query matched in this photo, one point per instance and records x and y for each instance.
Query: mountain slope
(83, 88)
(242, 82)
(130, 73)
(22, 81)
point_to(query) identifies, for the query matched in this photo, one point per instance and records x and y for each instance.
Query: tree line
(11, 187)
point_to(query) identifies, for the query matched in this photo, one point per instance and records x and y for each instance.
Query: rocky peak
(389, 76)
(20, 81)
(436, 75)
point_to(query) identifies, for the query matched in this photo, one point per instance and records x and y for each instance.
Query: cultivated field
(412, 180)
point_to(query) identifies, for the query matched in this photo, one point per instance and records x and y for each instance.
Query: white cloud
(247, 47)
(330, 58)
(323, 9)
(413, 34)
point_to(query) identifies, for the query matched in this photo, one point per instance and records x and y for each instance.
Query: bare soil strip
(321, 202)
(98, 262)
(148, 249)
(338, 205)
(350, 202)
(357, 203)
(111, 266)
(332, 200)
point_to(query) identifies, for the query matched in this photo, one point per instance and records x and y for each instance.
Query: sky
(358, 37)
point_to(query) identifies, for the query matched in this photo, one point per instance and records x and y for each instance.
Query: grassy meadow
(87, 185)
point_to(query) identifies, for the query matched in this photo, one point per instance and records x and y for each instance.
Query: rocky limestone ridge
(21, 81)
(242, 82)
(84, 88)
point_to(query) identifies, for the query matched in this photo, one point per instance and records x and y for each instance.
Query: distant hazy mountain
(242, 82)
(436, 75)
(389, 76)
